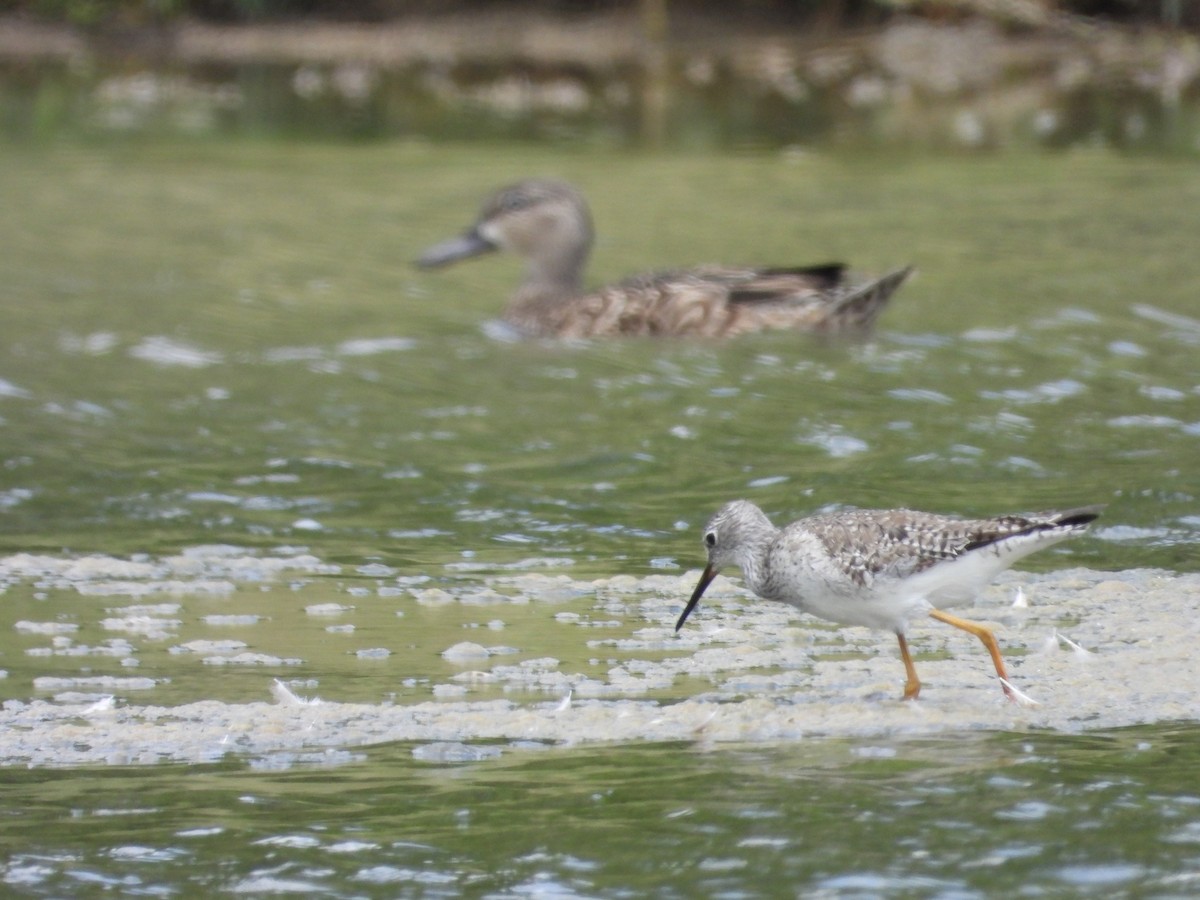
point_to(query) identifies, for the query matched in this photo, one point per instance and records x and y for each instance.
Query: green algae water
(236, 424)
(229, 344)
(956, 817)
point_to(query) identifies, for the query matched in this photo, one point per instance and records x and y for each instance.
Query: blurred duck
(547, 224)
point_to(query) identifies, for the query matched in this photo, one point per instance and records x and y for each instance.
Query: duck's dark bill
(472, 243)
(709, 574)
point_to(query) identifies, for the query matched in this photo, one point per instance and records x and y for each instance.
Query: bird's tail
(1024, 534)
(858, 309)
(1075, 518)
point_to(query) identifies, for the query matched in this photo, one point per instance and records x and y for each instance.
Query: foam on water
(1095, 650)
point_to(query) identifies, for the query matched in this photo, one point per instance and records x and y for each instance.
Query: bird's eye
(514, 202)
(710, 539)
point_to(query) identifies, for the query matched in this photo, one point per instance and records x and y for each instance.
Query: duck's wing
(721, 301)
(770, 285)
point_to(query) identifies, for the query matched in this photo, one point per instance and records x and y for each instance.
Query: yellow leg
(984, 634)
(912, 685)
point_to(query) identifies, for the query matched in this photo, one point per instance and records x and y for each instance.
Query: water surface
(229, 345)
(219, 355)
(1034, 815)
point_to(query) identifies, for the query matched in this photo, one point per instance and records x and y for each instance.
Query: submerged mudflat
(551, 660)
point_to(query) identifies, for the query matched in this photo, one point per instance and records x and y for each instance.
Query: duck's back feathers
(715, 302)
(766, 285)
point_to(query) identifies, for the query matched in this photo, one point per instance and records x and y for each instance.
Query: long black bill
(466, 245)
(705, 579)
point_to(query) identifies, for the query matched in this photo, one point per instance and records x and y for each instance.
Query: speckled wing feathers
(893, 544)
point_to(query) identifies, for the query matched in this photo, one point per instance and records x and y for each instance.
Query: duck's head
(543, 221)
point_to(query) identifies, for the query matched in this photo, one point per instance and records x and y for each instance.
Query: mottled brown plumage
(547, 224)
(879, 568)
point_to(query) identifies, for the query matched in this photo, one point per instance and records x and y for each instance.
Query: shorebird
(547, 223)
(879, 568)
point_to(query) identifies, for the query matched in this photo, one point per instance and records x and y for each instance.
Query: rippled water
(1034, 815)
(229, 345)
(214, 354)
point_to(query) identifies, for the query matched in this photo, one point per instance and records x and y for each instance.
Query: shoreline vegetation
(960, 73)
(547, 33)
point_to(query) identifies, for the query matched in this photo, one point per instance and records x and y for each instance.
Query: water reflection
(961, 815)
(914, 83)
